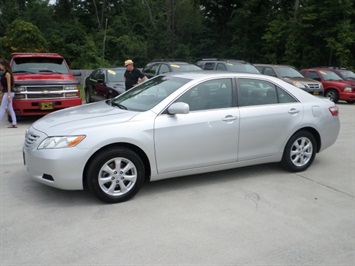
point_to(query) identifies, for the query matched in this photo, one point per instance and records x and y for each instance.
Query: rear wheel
(115, 174)
(332, 95)
(299, 152)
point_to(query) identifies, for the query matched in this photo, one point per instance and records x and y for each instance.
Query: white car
(179, 124)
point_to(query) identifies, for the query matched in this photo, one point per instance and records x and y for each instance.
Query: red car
(335, 88)
(43, 83)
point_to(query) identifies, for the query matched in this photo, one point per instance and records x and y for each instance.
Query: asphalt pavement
(260, 215)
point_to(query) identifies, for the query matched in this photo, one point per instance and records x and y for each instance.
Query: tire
(299, 152)
(87, 96)
(113, 183)
(332, 95)
(350, 102)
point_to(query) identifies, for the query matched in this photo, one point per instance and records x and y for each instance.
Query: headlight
(347, 89)
(299, 85)
(72, 87)
(19, 88)
(60, 142)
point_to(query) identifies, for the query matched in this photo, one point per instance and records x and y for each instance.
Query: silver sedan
(179, 124)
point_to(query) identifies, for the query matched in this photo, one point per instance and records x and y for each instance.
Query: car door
(99, 86)
(206, 136)
(268, 115)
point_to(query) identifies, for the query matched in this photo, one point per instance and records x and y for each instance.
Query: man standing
(133, 76)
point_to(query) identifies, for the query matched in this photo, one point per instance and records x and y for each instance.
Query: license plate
(46, 106)
(315, 92)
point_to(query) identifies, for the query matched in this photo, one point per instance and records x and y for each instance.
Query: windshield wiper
(121, 106)
(23, 71)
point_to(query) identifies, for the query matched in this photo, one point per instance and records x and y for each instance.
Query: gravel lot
(257, 215)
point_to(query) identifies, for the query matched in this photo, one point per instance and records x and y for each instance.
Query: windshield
(184, 68)
(115, 75)
(347, 74)
(243, 68)
(149, 93)
(39, 64)
(288, 72)
(329, 75)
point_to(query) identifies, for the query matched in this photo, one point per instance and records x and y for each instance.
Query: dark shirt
(4, 83)
(132, 77)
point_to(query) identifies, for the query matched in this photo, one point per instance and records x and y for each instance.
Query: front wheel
(115, 174)
(332, 95)
(299, 152)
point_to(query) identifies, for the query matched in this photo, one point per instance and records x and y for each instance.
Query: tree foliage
(93, 33)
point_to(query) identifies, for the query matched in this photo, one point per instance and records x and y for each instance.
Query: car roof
(222, 60)
(318, 69)
(52, 55)
(274, 65)
(214, 73)
(106, 68)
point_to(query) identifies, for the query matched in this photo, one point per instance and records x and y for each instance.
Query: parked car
(292, 76)
(161, 66)
(179, 124)
(43, 83)
(233, 65)
(104, 83)
(344, 73)
(335, 88)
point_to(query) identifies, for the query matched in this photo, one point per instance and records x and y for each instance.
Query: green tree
(22, 36)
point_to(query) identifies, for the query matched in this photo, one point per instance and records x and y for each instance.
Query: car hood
(73, 119)
(118, 85)
(42, 76)
(340, 82)
(300, 79)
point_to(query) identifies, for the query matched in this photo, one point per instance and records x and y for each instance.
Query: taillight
(334, 110)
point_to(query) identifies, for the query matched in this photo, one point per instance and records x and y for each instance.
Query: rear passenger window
(260, 92)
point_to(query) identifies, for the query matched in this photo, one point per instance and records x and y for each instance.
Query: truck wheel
(332, 95)
(115, 174)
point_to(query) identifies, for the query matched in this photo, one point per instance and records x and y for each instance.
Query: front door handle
(293, 111)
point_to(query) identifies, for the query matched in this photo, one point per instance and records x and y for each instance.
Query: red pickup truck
(335, 88)
(43, 83)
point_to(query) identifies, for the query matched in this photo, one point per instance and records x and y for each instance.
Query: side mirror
(76, 73)
(179, 108)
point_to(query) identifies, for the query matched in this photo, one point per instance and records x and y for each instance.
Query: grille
(38, 96)
(30, 139)
(40, 89)
(313, 86)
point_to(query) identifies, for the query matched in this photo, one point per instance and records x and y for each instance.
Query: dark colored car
(292, 76)
(233, 65)
(157, 67)
(335, 88)
(344, 73)
(104, 83)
